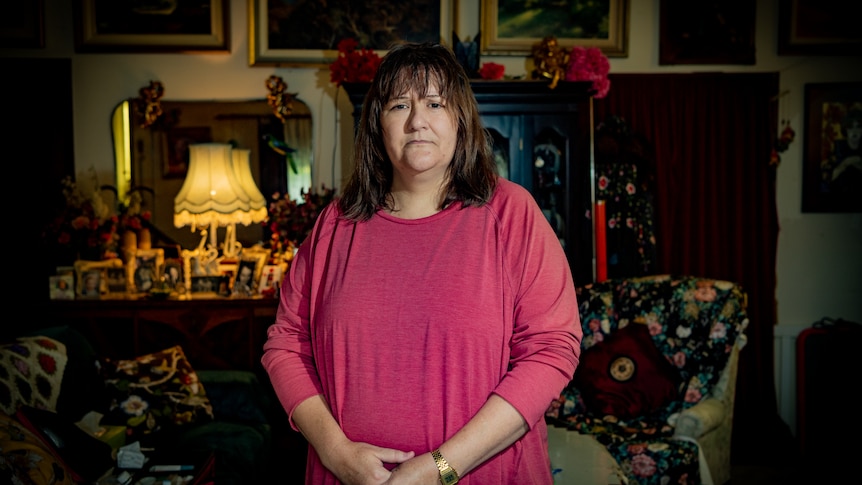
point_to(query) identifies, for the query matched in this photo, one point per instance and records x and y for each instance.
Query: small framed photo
(244, 283)
(145, 270)
(259, 255)
(61, 287)
(92, 276)
(832, 164)
(173, 273)
(116, 281)
(218, 285)
(270, 279)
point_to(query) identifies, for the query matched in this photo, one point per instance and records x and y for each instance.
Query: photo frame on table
(808, 27)
(145, 270)
(832, 160)
(706, 33)
(504, 32)
(270, 279)
(211, 284)
(24, 25)
(284, 37)
(92, 277)
(105, 26)
(173, 273)
(259, 255)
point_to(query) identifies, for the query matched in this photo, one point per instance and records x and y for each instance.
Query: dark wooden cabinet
(542, 141)
(215, 333)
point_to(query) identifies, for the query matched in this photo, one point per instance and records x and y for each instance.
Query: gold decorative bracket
(148, 106)
(278, 98)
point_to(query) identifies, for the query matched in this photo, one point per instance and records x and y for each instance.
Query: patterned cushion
(31, 372)
(24, 458)
(626, 376)
(155, 392)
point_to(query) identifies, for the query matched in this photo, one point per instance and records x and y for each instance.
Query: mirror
(151, 152)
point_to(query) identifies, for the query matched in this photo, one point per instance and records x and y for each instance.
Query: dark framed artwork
(511, 28)
(832, 163)
(306, 34)
(818, 27)
(706, 32)
(22, 24)
(143, 26)
(177, 141)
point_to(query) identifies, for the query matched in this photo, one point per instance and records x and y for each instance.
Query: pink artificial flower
(590, 64)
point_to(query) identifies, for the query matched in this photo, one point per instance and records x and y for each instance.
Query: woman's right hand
(357, 463)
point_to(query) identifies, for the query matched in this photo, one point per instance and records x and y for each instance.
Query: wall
(819, 263)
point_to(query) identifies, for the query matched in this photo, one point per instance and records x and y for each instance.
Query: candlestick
(601, 242)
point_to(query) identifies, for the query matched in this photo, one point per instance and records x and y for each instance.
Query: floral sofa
(655, 385)
(51, 378)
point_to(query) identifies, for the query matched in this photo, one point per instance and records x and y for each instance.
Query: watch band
(448, 475)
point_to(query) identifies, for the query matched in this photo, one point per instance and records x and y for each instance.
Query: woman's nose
(417, 120)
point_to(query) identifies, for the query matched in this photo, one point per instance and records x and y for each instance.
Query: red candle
(601, 242)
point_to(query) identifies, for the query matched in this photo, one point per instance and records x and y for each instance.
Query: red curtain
(715, 211)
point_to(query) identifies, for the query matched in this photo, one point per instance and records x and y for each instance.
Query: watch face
(449, 478)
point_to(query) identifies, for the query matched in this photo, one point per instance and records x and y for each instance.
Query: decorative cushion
(31, 373)
(626, 376)
(155, 392)
(25, 458)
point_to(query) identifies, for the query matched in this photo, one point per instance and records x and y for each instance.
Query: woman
(430, 318)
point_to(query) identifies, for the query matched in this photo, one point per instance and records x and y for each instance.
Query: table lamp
(212, 196)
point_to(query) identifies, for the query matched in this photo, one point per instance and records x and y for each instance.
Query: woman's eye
(435, 105)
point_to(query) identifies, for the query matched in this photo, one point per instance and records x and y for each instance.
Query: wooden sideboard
(215, 333)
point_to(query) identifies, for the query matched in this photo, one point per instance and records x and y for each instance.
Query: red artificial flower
(353, 65)
(492, 70)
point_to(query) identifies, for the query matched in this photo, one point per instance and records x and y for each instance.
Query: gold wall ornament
(550, 59)
(148, 106)
(278, 98)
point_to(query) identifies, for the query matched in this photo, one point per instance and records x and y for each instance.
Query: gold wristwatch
(448, 475)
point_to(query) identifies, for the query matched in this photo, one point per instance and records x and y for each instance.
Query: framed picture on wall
(23, 25)
(307, 34)
(814, 27)
(832, 163)
(706, 32)
(177, 26)
(510, 28)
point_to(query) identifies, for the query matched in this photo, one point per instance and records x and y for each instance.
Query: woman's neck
(415, 202)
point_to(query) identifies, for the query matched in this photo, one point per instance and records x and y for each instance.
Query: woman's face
(419, 134)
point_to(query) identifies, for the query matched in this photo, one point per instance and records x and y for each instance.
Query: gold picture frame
(259, 255)
(808, 28)
(266, 48)
(145, 270)
(514, 37)
(92, 277)
(137, 27)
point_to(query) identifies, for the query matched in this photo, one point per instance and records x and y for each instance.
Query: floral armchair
(655, 385)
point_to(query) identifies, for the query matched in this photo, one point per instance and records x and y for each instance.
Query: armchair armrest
(716, 407)
(701, 418)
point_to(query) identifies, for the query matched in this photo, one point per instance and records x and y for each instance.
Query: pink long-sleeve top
(406, 327)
